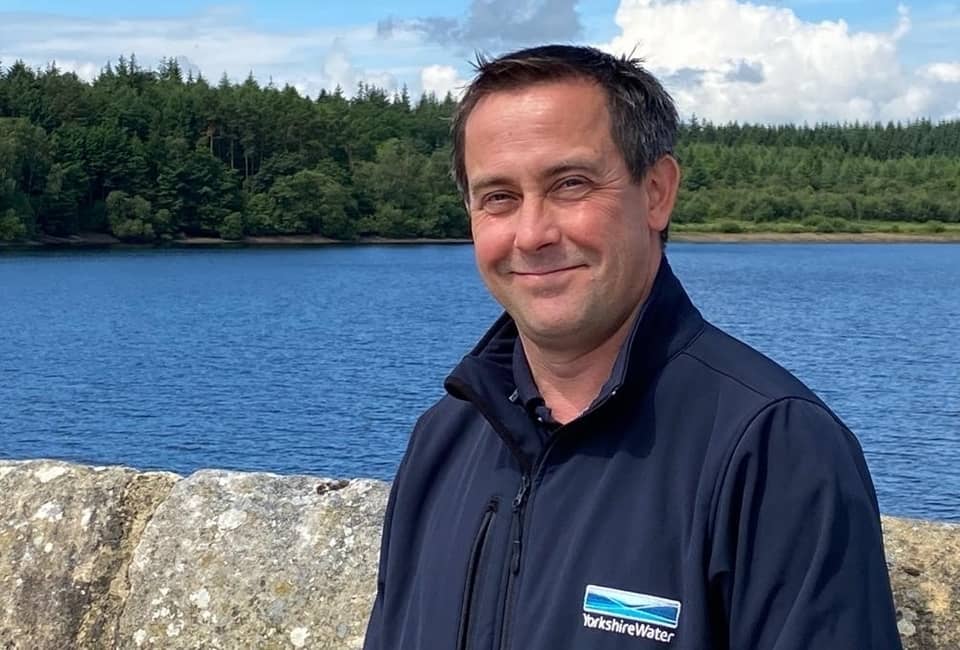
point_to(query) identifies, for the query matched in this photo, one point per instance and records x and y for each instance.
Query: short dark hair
(643, 116)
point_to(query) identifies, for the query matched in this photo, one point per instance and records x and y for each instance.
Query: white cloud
(943, 72)
(728, 60)
(335, 69)
(214, 41)
(722, 59)
(83, 69)
(338, 70)
(441, 79)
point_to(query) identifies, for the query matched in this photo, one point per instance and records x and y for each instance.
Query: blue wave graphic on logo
(631, 606)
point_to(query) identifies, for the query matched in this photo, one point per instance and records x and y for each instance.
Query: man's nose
(536, 225)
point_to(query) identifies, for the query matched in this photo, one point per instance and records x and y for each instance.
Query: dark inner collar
(528, 394)
(496, 377)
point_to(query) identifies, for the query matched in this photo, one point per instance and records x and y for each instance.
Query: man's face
(564, 239)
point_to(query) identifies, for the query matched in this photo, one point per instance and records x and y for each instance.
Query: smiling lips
(536, 273)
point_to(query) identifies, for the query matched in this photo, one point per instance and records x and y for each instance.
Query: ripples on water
(319, 360)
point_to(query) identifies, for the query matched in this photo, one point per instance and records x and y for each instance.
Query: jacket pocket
(472, 583)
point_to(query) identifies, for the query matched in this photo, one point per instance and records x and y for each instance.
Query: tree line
(150, 155)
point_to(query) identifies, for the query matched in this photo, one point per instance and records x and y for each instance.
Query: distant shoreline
(817, 237)
(100, 240)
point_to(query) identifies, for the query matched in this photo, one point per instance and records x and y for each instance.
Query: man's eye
(498, 202)
(573, 184)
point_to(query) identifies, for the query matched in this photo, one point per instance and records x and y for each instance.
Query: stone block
(67, 535)
(923, 558)
(247, 560)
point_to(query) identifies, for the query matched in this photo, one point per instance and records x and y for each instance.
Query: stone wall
(108, 557)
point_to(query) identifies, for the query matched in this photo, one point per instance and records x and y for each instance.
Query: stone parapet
(109, 557)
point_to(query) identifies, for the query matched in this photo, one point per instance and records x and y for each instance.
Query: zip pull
(521, 493)
(518, 503)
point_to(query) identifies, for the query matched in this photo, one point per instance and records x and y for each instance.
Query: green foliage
(261, 210)
(730, 226)
(232, 226)
(787, 174)
(309, 201)
(194, 186)
(820, 223)
(11, 226)
(182, 157)
(131, 218)
(402, 184)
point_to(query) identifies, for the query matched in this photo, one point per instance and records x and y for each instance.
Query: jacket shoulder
(441, 432)
(736, 366)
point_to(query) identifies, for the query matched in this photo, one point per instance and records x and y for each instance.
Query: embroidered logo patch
(630, 613)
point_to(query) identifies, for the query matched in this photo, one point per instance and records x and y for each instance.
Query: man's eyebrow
(562, 167)
(486, 182)
(567, 166)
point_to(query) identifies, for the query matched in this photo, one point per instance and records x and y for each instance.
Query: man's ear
(662, 183)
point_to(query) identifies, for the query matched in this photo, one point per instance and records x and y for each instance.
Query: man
(608, 469)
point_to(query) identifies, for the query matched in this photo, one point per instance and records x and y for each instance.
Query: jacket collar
(485, 377)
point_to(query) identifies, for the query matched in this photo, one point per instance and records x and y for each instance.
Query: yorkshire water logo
(630, 613)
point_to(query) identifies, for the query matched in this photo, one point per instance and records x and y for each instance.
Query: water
(319, 360)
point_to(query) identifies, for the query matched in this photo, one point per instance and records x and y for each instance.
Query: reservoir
(318, 360)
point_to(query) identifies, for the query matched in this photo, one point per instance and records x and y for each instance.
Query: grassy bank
(814, 237)
(818, 229)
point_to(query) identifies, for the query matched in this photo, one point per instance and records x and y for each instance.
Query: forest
(158, 155)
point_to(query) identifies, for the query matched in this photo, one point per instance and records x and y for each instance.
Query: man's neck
(570, 380)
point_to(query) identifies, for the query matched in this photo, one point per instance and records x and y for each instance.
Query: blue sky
(760, 61)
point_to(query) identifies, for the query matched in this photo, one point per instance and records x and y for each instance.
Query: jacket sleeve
(797, 559)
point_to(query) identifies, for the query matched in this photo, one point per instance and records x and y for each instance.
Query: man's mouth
(546, 271)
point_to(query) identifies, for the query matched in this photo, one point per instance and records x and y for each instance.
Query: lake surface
(318, 360)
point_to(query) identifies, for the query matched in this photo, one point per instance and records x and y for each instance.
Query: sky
(766, 61)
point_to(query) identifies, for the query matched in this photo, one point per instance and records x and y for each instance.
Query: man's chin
(553, 331)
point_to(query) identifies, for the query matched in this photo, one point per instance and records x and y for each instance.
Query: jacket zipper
(519, 508)
(473, 569)
(516, 529)
(519, 502)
